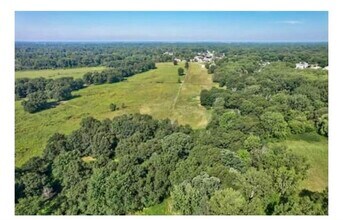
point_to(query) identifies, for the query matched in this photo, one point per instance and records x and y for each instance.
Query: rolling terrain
(156, 92)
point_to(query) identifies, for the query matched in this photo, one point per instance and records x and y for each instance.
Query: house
(301, 65)
(169, 53)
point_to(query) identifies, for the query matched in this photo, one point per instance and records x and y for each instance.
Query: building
(301, 65)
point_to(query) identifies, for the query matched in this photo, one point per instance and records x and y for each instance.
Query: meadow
(315, 148)
(57, 73)
(156, 92)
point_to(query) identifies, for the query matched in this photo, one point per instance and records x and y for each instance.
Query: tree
(175, 62)
(186, 65)
(227, 202)
(323, 125)
(192, 197)
(274, 125)
(230, 159)
(252, 142)
(180, 71)
(35, 102)
(61, 93)
(56, 145)
(211, 68)
(228, 120)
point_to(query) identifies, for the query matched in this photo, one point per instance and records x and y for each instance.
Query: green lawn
(57, 73)
(159, 209)
(156, 92)
(315, 148)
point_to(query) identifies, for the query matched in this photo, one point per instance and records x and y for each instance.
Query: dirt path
(179, 91)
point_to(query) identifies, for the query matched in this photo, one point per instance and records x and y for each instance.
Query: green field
(315, 148)
(57, 73)
(156, 92)
(164, 208)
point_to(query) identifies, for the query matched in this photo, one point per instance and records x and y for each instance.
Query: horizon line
(157, 41)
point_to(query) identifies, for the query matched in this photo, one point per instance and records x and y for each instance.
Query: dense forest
(66, 55)
(125, 164)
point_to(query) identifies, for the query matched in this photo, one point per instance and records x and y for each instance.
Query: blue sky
(172, 26)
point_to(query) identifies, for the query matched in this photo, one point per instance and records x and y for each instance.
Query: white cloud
(290, 22)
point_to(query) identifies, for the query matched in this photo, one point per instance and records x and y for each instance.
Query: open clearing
(315, 148)
(154, 92)
(57, 73)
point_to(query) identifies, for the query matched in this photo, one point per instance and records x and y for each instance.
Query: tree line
(29, 55)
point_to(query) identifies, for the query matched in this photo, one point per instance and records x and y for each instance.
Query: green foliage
(228, 120)
(231, 160)
(180, 71)
(252, 142)
(274, 125)
(226, 202)
(35, 102)
(192, 197)
(323, 125)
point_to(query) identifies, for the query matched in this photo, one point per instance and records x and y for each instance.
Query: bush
(181, 71)
(36, 101)
(113, 107)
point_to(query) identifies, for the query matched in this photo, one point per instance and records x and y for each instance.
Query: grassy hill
(156, 92)
(57, 73)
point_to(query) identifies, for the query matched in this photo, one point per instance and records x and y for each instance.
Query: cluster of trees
(123, 165)
(38, 91)
(67, 55)
(277, 98)
(133, 156)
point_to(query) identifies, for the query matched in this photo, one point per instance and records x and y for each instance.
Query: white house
(301, 65)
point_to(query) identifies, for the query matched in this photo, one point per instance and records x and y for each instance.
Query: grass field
(57, 73)
(156, 92)
(163, 208)
(315, 148)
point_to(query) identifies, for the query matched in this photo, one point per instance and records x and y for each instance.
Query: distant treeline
(38, 91)
(68, 55)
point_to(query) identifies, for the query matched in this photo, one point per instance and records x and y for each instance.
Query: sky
(172, 26)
